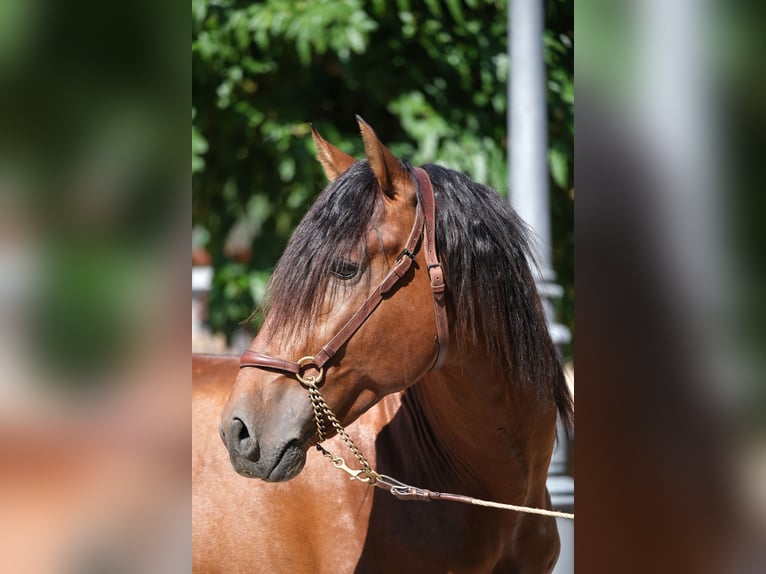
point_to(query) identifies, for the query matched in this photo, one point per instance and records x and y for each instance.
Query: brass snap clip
(353, 474)
(312, 381)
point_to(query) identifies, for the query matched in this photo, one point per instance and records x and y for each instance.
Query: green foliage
(199, 147)
(430, 76)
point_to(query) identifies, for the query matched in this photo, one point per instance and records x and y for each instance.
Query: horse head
(344, 249)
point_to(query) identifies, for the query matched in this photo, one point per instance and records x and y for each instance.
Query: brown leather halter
(425, 227)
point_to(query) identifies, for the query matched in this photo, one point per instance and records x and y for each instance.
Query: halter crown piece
(425, 227)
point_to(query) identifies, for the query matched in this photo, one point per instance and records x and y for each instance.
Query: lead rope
(369, 476)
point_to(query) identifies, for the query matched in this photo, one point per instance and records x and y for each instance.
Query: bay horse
(475, 415)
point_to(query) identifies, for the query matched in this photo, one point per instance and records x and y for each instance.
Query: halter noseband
(425, 226)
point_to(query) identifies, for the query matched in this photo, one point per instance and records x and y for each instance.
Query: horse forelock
(334, 227)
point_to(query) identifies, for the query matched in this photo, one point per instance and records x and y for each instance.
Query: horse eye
(345, 270)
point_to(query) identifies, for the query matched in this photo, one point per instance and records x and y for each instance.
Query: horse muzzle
(270, 460)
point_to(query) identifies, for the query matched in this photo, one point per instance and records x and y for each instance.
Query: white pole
(528, 143)
(529, 196)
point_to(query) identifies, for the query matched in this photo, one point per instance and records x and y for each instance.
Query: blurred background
(671, 456)
(94, 216)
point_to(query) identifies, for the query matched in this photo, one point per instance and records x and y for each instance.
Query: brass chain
(321, 410)
(317, 402)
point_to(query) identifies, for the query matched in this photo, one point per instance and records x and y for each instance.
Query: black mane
(485, 249)
(483, 246)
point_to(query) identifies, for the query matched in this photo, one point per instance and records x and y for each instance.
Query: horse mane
(484, 248)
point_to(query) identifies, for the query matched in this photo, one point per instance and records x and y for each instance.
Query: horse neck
(488, 434)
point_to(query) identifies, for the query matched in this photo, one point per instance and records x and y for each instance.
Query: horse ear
(334, 161)
(387, 169)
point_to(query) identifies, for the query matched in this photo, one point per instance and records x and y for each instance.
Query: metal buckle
(430, 277)
(406, 253)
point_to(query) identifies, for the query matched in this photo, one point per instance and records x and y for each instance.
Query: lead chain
(317, 402)
(398, 489)
(321, 410)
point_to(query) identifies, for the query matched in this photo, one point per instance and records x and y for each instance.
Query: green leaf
(199, 147)
(456, 10)
(433, 6)
(559, 165)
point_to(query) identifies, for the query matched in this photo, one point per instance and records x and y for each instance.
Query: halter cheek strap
(435, 271)
(425, 226)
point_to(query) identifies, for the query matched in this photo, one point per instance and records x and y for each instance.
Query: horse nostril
(243, 443)
(239, 430)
